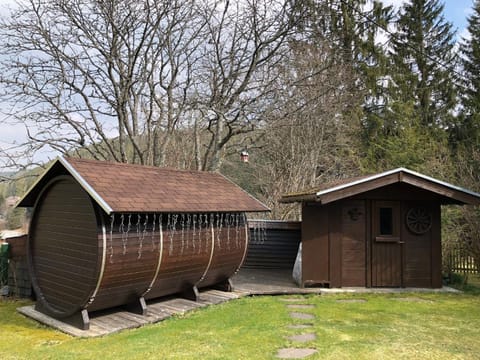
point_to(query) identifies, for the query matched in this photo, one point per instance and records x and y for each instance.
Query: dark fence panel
(3, 269)
(273, 244)
(18, 277)
(459, 260)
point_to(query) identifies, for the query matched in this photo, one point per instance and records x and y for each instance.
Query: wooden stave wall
(62, 282)
(180, 269)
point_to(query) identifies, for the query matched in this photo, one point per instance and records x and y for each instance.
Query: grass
(387, 326)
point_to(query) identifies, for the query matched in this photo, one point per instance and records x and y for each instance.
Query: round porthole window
(419, 220)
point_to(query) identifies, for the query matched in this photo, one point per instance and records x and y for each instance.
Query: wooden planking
(335, 240)
(277, 249)
(56, 262)
(315, 244)
(114, 320)
(423, 252)
(386, 259)
(353, 243)
(183, 262)
(226, 259)
(436, 247)
(386, 265)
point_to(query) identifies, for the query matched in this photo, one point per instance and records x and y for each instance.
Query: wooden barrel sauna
(82, 259)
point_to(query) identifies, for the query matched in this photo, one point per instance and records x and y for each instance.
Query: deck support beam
(137, 307)
(191, 294)
(225, 285)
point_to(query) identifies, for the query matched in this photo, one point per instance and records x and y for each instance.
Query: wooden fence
(459, 260)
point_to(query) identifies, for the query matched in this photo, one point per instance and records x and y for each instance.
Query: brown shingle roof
(120, 187)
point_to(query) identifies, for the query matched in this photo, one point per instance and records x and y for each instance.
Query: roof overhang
(448, 192)
(60, 166)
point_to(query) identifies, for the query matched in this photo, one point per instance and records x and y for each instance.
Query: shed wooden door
(386, 244)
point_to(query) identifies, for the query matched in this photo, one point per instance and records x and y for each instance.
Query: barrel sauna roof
(340, 189)
(118, 187)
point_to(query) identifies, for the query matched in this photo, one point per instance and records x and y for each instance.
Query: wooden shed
(107, 234)
(376, 231)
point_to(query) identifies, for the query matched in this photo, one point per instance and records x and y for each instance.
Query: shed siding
(353, 243)
(315, 244)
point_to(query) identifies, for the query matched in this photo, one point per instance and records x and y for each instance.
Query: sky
(456, 12)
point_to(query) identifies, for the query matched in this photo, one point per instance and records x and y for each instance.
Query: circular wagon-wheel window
(419, 220)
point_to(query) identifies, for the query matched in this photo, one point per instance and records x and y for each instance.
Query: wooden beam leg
(80, 319)
(138, 307)
(191, 294)
(224, 286)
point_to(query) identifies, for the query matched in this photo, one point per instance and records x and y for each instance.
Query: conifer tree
(468, 129)
(420, 93)
(423, 62)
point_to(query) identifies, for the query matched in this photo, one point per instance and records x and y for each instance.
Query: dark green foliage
(416, 105)
(468, 126)
(423, 61)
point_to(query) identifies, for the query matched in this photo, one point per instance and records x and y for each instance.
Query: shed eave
(475, 196)
(319, 194)
(456, 194)
(86, 186)
(286, 199)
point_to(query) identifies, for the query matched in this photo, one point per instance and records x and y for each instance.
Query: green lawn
(394, 326)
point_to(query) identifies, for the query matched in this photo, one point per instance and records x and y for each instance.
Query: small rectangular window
(386, 221)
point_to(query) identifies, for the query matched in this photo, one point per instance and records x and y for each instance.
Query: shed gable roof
(118, 187)
(350, 187)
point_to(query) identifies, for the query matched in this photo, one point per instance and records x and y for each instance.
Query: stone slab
(302, 337)
(302, 316)
(300, 326)
(293, 353)
(300, 306)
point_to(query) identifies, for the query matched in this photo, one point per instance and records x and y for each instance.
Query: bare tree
(112, 75)
(246, 40)
(115, 79)
(312, 137)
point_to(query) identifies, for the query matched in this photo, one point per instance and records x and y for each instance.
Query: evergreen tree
(420, 97)
(423, 63)
(468, 128)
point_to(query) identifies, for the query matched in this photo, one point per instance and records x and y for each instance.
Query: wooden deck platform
(117, 319)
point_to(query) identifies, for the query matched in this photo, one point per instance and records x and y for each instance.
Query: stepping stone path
(301, 316)
(413, 299)
(292, 299)
(293, 353)
(300, 306)
(300, 326)
(298, 353)
(302, 337)
(351, 301)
